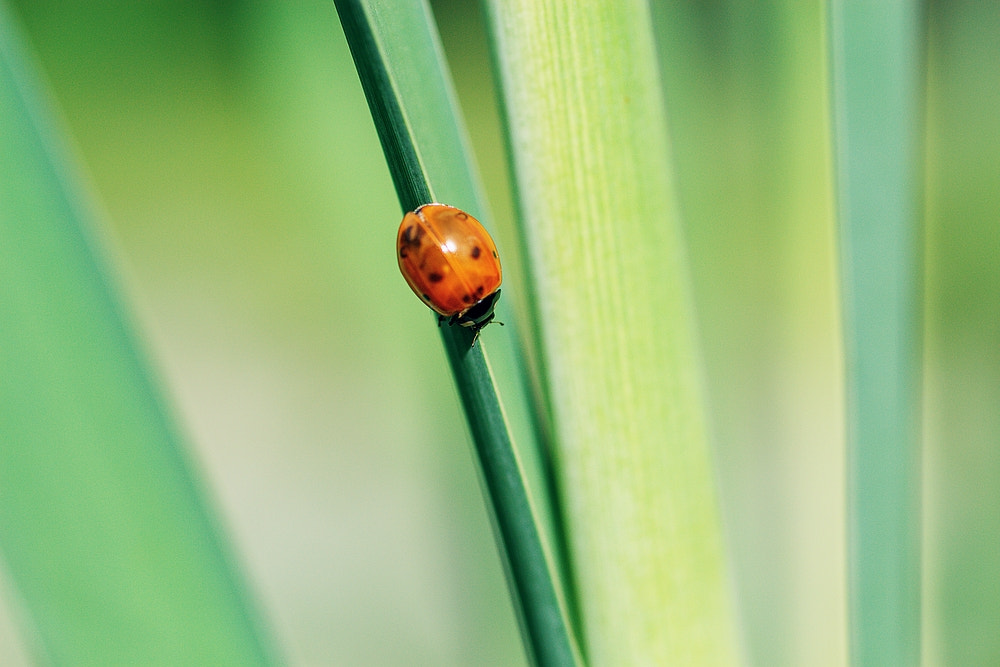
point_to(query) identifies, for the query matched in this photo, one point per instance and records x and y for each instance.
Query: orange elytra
(450, 262)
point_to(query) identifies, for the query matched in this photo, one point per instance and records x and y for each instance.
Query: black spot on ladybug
(480, 291)
(467, 298)
(410, 238)
(476, 252)
(425, 298)
(435, 277)
(495, 254)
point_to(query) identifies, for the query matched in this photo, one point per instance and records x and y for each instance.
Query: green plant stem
(401, 66)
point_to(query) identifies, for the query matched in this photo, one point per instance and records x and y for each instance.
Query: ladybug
(451, 263)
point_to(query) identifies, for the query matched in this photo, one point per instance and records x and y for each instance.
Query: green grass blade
(400, 63)
(102, 524)
(877, 66)
(588, 134)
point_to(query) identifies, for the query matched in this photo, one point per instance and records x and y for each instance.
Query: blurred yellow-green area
(250, 211)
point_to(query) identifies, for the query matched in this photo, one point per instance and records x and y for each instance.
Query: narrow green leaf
(399, 59)
(588, 135)
(103, 526)
(877, 72)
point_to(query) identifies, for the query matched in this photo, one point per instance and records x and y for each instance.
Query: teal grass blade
(877, 73)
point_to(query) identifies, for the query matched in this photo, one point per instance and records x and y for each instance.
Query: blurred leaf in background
(745, 83)
(962, 403)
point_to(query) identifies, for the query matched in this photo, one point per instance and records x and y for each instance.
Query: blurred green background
(252, 216)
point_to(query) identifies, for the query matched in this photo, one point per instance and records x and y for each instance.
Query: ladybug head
(476, 317)
(480, 314)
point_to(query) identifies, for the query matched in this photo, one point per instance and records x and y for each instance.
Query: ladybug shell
(448, 258)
